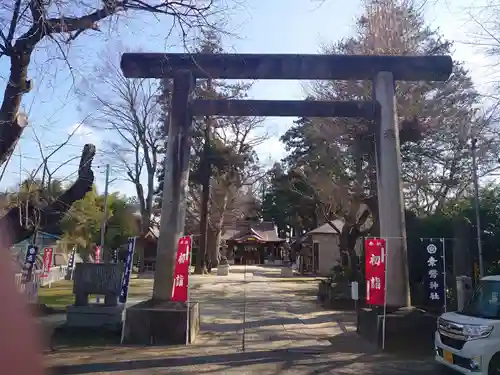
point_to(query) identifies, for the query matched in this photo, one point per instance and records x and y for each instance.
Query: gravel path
(253, 322)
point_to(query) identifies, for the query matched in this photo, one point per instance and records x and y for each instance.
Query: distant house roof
(230, 233)
(327, 228)
(265, 230)
(154, 226)
(154, 231)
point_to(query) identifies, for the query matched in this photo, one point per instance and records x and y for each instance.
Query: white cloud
(270, 151)
(84, 134)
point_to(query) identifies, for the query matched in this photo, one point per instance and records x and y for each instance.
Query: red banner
(97, 254)
(181, 272)
(375, 261)
(47, 261)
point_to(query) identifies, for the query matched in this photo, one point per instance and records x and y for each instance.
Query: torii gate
(185, 68)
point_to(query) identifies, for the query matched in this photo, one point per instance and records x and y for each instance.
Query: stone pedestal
(287, 272)
(101, 279)
(223, 270)
(91, 278)
(161, 323)
(405, 329)
(95, 316)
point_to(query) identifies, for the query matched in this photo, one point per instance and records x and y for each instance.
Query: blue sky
(263, 26)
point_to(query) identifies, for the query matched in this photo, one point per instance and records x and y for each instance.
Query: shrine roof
(264, 231)
(327, 228)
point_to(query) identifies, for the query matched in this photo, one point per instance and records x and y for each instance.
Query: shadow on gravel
(232, 360)
(235, 326)
(306, 359)
(66, 337)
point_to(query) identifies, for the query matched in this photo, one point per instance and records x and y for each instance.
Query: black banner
(128, 270)
(71, 261)
(71, 264)
(434, 275)
(29, 261)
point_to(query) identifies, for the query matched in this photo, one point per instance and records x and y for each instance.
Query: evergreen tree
(81, 226)
(282, 204)
(336, 158)
(435, 118)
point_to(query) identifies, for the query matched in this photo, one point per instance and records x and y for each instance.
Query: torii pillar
(391, 206)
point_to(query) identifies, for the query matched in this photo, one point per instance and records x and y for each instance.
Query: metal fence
(56, 273)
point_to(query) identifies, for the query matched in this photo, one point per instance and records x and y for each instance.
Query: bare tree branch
(128, 112)
(28, 22)
(47, 218)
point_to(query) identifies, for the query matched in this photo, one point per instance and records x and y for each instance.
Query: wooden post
(390, 193)
(175, 184)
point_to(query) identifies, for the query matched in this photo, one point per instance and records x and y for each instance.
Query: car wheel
(494, 365)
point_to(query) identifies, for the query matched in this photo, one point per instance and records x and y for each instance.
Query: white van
(469, 341)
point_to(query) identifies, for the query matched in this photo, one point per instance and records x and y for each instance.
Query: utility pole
(105, 217)
(476, 206)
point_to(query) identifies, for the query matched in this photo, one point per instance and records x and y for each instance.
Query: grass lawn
(60, 294)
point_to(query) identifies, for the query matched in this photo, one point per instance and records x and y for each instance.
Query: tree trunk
(206, 174)
(350, 235)
(215, 233)
(214, 238)
(17, 85)
(139, 250)
(200, 267)
(206, 167)
(347, 245)
(48, 218)
(145, 227)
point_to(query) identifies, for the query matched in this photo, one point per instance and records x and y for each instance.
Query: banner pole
(444, 275)
(51, 257)
(385, 294)
(125, 301)
(97, 259)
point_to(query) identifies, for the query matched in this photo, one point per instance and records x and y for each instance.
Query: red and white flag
(375, 262)
(97, 258)
(181, 271)
(47, 261)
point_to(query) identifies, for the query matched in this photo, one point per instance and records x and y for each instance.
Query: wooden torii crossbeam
(184, 69)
